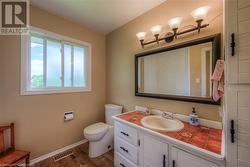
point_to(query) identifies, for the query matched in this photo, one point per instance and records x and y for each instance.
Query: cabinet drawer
(121, 161)
(127, 150)
(127, 133)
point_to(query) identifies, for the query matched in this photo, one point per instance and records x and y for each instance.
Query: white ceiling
(100, 15)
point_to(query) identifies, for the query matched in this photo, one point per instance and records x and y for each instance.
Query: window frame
(26, 63)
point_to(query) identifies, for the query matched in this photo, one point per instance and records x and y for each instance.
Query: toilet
(101, 135)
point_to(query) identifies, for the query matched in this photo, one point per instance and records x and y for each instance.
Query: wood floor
(80, 159)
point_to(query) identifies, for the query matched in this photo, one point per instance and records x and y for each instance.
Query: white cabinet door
(154, 152)
(237, 19)
(237, 98)
(238, 110)
(183, 159)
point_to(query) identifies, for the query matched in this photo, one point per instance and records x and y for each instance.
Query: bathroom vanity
(138, 146)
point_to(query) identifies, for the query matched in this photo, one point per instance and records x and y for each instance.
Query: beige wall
(195, 69)
(39, 122)
(122, 45)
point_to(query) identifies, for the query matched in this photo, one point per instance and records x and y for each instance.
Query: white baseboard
(53, 153)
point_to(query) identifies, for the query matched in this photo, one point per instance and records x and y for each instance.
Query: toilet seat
(96, 131)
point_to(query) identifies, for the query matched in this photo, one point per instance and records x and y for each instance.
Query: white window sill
(54, 91)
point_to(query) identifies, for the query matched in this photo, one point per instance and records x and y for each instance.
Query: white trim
(25, 71)
(72, 65)
(44, 63)
(203, 70)
(89, 66)
(54, 91)
(53, 153)
(24, 40)
(189, 72)
(62, 64)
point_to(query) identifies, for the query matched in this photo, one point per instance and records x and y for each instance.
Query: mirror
(180, 72)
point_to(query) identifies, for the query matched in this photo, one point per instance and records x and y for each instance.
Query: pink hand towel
(218, 80)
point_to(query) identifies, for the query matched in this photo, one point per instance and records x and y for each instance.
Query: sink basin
(155, 122)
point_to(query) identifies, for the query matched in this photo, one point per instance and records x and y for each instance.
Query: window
(52, 63)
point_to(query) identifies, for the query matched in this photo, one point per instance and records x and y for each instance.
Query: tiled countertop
(200, 136)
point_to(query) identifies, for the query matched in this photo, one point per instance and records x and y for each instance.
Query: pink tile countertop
(200, 136)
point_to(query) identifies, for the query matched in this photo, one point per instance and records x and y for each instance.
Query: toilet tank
(111, 110)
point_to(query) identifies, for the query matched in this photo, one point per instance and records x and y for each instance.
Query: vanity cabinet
(135, 147)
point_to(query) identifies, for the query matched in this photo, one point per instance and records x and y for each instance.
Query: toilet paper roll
(68, 117)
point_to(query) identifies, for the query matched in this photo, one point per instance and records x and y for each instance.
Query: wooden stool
(10, 156)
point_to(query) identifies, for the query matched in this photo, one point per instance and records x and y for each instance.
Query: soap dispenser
(193, 118)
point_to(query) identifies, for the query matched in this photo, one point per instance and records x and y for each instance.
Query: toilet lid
(96, 128)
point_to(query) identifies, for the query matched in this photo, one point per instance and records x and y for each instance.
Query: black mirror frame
(216, 52)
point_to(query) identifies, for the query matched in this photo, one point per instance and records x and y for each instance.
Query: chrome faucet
(148, 111)
(168, 115)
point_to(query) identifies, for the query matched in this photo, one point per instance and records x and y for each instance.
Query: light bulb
(200, 13)
(141, 35)
(156, 30)
(175, 22)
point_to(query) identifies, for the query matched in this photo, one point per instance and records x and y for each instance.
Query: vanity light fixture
(174, 24)
(156, 32)
(141, 36)
(198, 14)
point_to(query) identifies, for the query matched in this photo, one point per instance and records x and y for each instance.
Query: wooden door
(237, 26)
(237, 98)
(238, 108)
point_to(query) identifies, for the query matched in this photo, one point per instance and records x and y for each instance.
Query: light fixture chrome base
(169, 37)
